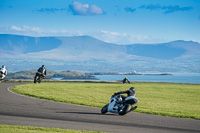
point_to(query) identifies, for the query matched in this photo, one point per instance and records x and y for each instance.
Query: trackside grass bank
(167, 99)
(29, 129)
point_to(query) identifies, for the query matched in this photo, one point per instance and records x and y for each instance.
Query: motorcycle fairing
(131, 100)
(112, 107)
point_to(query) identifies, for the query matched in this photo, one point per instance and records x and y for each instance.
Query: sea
(193, 78)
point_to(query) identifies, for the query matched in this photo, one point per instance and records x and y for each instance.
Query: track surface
(21, 110)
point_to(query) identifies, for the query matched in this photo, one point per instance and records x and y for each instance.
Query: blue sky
(114, 21)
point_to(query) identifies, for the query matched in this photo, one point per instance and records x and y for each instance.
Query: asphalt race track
(21, 110)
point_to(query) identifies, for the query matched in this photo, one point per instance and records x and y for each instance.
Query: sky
(113, 21)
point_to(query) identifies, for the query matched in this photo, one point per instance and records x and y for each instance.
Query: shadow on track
(87, 113)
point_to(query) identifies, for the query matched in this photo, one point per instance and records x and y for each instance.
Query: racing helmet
(132, 89)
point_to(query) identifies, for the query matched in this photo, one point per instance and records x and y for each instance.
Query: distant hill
(85, 53)
(65, 75)
(160, 51)
(25, 44)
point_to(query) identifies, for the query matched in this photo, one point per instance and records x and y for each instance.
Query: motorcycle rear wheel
(125, 110)
(39, 80)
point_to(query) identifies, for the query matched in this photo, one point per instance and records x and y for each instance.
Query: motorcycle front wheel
(125, 109)
(35, 79)
(104, 109)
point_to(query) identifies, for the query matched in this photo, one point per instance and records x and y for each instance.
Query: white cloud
(85, 9)
(21, 30)
(26, 28)
(121, 38)
(36, 31)
(15, 28)
(106, 36)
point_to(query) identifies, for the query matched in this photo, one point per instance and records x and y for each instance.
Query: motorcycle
(126, 82)
(2, 76)
(38, 77)
(117, 105)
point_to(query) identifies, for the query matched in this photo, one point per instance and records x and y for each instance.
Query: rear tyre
(104, 109)
(39, 79)
(125, 110)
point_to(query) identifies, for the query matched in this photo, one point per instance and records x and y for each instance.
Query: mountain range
(85, 53)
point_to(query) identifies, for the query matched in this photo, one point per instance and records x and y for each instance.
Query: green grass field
(167, 99)
(29, 129)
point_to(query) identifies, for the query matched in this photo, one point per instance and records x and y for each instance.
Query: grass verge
(30, 129)
(167, 99)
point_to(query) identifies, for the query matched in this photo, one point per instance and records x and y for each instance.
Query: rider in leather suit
(42, 70)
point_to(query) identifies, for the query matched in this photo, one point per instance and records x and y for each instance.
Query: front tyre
(125, 109)
(104, 109)
(35, 79)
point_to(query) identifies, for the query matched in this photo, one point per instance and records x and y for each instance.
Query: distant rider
(126, 81)
(3, 72)
(42, 70)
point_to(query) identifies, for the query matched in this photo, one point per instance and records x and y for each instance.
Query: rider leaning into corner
(42, 70)
(130, 92)
(3, 71)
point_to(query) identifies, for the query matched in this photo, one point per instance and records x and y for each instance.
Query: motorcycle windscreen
(131, 100)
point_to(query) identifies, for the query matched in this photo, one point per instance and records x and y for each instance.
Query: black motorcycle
(38, 77)
(126, 81)
(1, 76)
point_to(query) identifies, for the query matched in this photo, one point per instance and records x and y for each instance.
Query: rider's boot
(133, 108)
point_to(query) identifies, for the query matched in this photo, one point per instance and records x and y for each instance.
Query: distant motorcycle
(38, 77)
(2, 76)
(117, 105)
(126, 81)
